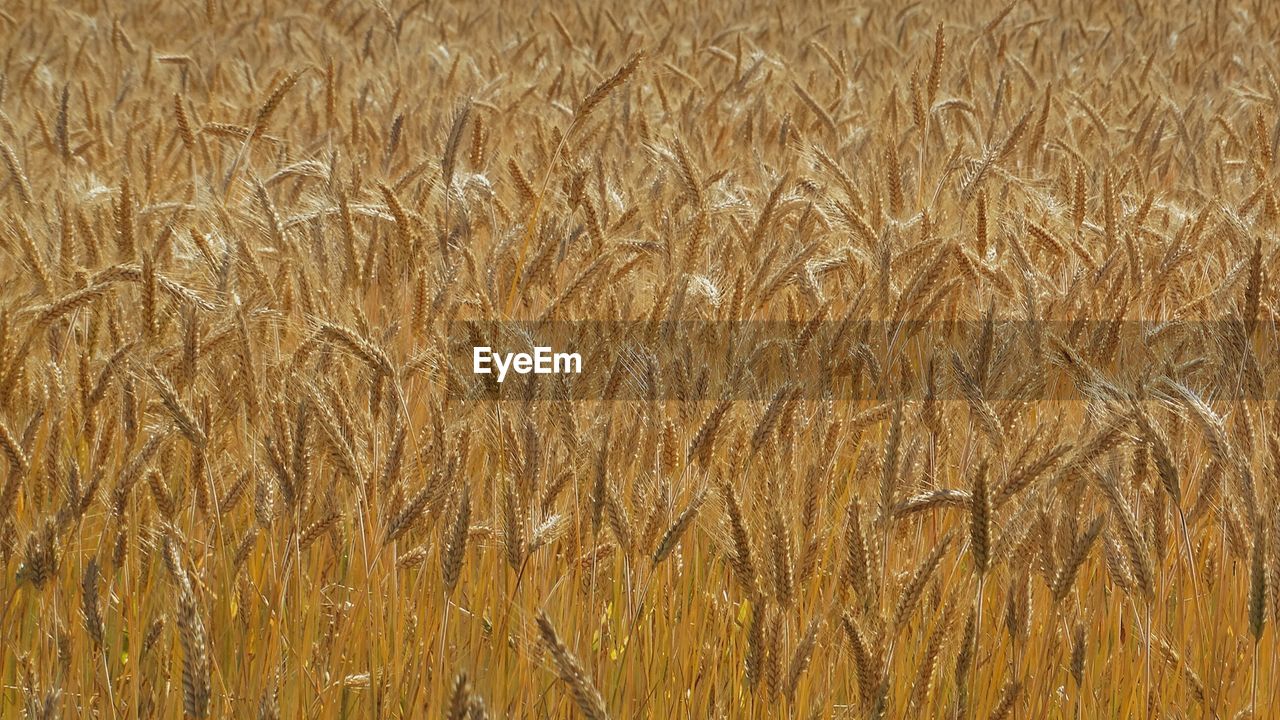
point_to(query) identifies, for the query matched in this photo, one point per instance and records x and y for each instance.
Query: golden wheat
(925, 348)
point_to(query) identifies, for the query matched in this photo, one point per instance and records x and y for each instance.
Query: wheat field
(926, 352)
